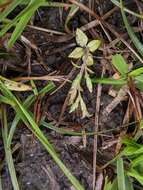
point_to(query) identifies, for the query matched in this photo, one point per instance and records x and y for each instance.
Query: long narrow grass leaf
(109, 81)
(117, 3)
(133, 173)
(9, 9)
(120, 174)
(26, 117)
(130, 31)
(8, 152)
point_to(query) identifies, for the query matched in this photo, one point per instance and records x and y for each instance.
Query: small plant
(84, 54)
(132, 154)
(125, 76)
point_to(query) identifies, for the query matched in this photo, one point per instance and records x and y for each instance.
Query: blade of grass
(137, 161)
(109, 81)
(130, 31)
(27, 103)
(27, 119)
(22, 24)
(136, 72)
(120, 174)
(71, 13)
(8, 153)
(64, 131)
(133, 173)
(115, 2)
(9, 9)
(13, 22)
(129, 184)
(0, 183)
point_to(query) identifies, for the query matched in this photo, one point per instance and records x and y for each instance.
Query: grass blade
(8, 152)
(9, 9)
(130, 31)
(115, 2)
(109, 81)
(28, 120)
(129, 185)
(133, 173)
(120, 174)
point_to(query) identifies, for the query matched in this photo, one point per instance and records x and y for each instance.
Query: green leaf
(128, 182)
(131, 147)
(109, 81)
(94, 45)
(120, 174)
(75, 105)
(77, 53)
(72, 12)
(84, 109)
(137, 43)
(136, 72)
(23, 22)
(88, 83)
(139, 82)
(110, 186)
(128, 151)
(89, 59)
(29, 121)
(139, 151)
(141, 124)
(117, 3)
(119, 63)
(32, 6)
(114, 185)
(107, 184)
(76, 81)
(138, 160)
(81, 38)
(9, 8)
(136, 175)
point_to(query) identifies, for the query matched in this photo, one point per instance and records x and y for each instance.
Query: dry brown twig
(96, 127)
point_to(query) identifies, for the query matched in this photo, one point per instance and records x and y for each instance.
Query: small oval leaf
(84, 109)
(81, 38)
(89, 60)
(76, 53)
(89, 83)
(120, 64)
(93, 45)
(75, 105)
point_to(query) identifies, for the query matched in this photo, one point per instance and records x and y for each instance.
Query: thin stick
(96, 127)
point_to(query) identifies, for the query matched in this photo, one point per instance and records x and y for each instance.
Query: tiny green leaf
(75, 105)
(119, 63)
(73, 94)
(76, 81)
(89, 83)
(141, 124)
(84, 109)
(76, 53)
(81, 38)
(88, 59)
(94, 45)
